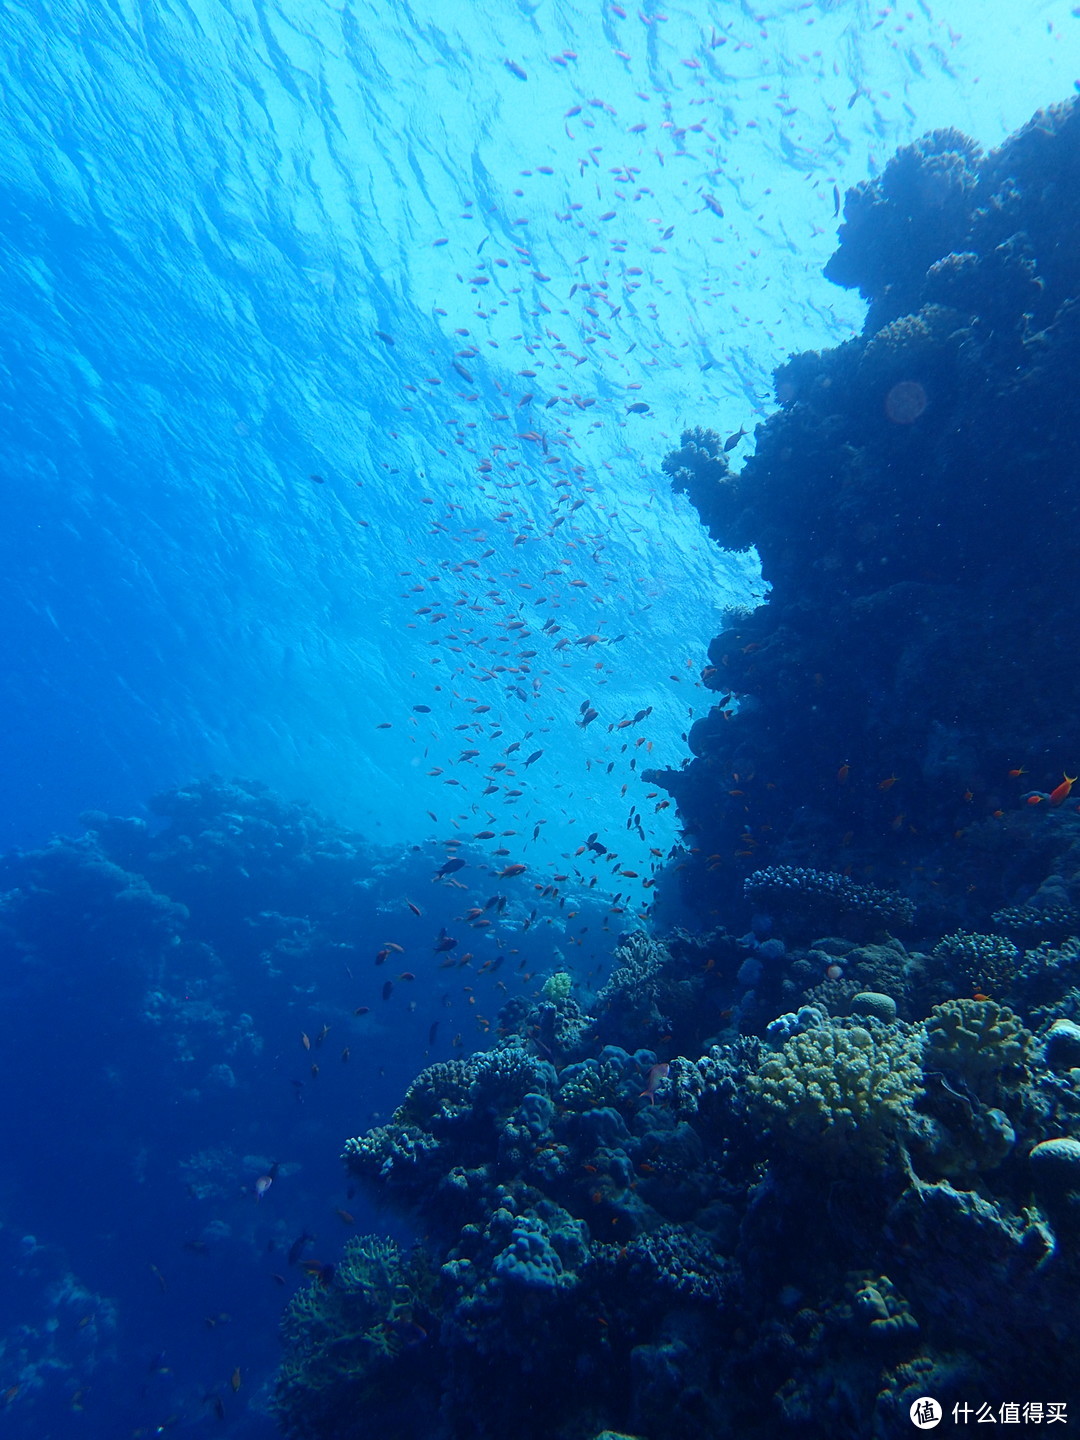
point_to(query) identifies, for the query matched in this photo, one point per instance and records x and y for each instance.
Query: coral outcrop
(905, 501)
(837, 1090)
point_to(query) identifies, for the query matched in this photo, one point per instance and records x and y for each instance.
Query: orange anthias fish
(1060, 793)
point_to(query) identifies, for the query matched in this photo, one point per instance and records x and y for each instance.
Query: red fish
(1060, 793)
(516, 869)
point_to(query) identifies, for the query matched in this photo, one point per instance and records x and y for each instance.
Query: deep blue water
(325, 334)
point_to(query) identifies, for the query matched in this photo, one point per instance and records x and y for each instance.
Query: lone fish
(1060, 793)
(656, 1074)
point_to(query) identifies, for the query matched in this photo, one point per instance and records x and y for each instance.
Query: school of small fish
(555, 351)
(525, 554)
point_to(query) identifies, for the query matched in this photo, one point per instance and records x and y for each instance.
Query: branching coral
(629, 1006)
(347, 1337)
(681, 1260)
(838, 1090)
(983, 962)
(977, 1043)
(473, 1099)
(440, 1090)
(639, 963)
(502, 1078)
(389, 1152)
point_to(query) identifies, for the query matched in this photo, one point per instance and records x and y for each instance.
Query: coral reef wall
(913, 505)
(788, 1181)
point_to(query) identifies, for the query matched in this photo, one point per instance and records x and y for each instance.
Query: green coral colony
(816, 1154)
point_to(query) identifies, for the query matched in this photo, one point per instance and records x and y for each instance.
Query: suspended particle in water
(905, 402)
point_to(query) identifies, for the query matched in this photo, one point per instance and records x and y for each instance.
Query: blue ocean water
(340, 349)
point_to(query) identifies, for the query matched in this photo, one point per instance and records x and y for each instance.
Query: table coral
(1052, 923)
(807, 897)
(389, 1150)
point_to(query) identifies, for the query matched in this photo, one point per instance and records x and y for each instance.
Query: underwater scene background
(541, 891)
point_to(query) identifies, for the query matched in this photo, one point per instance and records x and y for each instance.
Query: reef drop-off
(913, 504)
(817, 1154)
